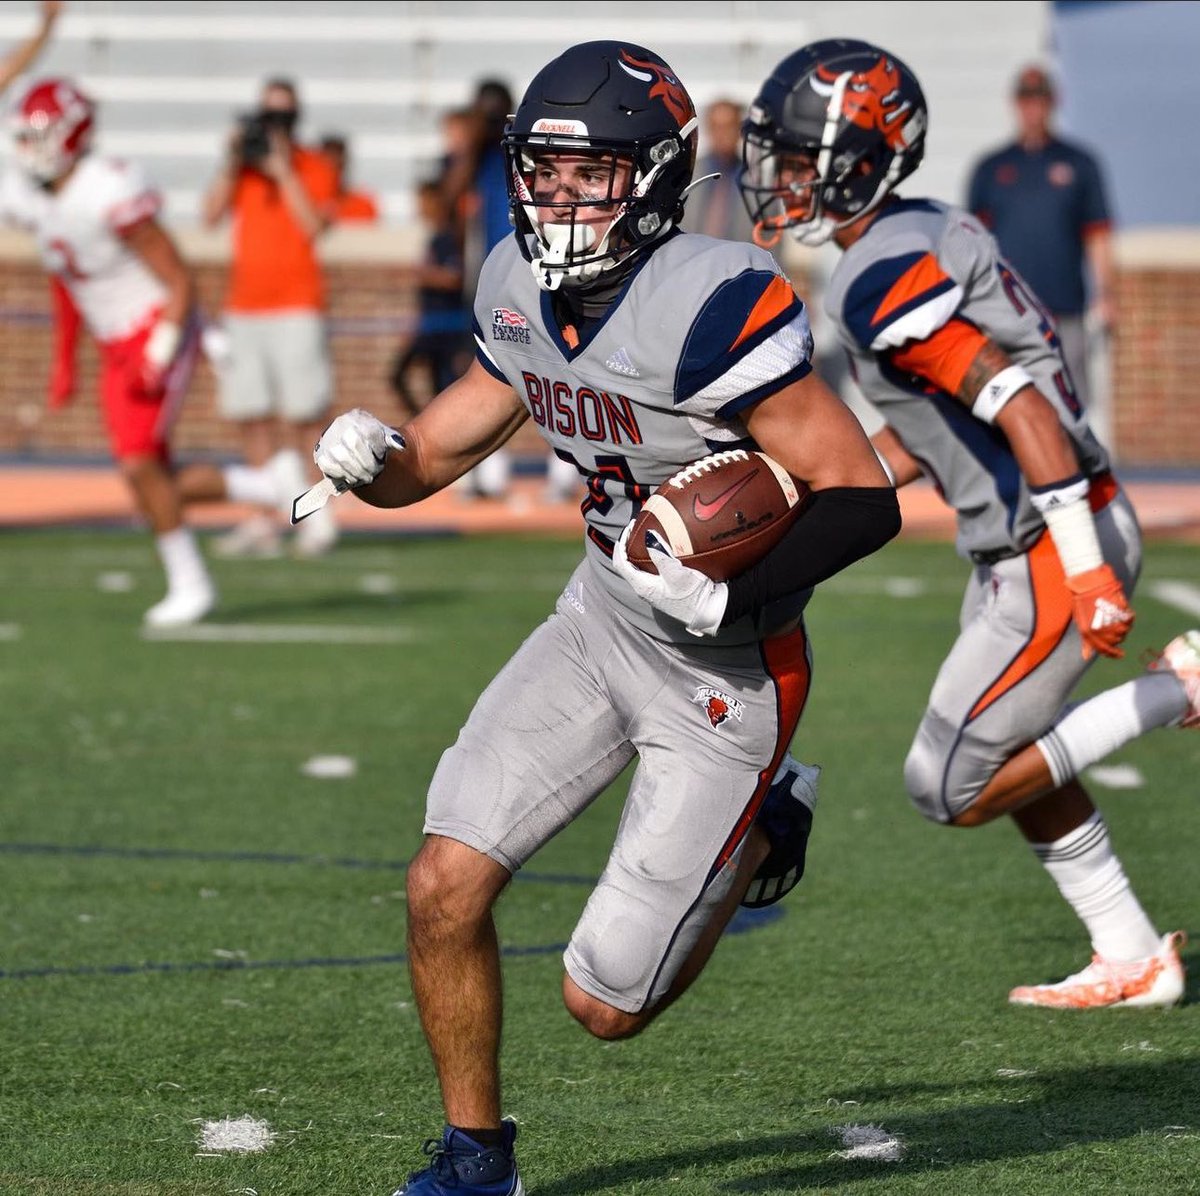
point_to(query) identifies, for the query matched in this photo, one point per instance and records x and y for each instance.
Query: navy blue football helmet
(619, 108)
(834, 129)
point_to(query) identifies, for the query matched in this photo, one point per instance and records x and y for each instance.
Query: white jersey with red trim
(702, 330)
(78, 232)
(919, 267)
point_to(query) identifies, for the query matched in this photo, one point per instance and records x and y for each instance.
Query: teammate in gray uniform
(957, 355)
(635, 349)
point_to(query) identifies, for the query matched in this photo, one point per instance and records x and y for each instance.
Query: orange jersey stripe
(775, 300)
(915, 281)
(786, 658)
(943, 357)
(1052, 618)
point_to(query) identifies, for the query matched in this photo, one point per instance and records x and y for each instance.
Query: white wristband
(994, 394)
(1073, 531)
(163, 343)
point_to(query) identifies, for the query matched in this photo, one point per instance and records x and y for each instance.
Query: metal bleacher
(172, 76)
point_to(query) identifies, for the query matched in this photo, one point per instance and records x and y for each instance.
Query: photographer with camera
(277, 383)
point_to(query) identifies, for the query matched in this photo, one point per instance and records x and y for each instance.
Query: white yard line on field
(1180, 594)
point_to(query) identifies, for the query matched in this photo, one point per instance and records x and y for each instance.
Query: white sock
(1094, 885)
(182, 562)
(244, 483)
(1110, 720)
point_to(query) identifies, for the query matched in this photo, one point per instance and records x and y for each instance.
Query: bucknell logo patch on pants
(717, 705)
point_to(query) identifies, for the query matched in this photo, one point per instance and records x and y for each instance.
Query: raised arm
(19, 60)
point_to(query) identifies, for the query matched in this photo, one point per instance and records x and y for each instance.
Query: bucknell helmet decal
(667, 88)
(871, 100)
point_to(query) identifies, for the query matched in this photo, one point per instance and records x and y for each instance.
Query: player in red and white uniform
(957, 356)
(115, 269)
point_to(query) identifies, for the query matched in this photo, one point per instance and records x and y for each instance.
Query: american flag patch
(514, 319)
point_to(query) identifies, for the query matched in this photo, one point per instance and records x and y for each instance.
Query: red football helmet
(52, 128)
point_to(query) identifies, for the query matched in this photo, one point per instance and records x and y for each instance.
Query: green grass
(878, 996)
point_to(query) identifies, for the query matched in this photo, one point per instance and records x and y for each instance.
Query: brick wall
(1156, 361)
(1156, 347)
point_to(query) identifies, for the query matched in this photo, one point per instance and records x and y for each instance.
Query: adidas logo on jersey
(619, 363)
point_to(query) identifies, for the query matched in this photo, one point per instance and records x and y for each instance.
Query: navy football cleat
(786, 816)
(460, 1166)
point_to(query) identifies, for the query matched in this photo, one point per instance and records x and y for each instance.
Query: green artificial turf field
(194, 929)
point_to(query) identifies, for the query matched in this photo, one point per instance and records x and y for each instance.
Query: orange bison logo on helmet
(872, 100)
(667, 88)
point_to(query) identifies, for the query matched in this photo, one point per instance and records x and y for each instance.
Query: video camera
(256, 128)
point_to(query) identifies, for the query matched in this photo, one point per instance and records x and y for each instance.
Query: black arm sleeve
(840, 525)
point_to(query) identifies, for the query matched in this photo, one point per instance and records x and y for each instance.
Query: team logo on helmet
(668, 89)
(871, 100)
(717, 705)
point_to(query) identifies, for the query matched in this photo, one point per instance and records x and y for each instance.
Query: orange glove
(1100, 610)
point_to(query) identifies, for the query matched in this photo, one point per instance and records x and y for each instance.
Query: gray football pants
(1016, 660)
(580, 698)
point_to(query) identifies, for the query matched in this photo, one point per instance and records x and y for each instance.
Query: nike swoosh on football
(705, 511)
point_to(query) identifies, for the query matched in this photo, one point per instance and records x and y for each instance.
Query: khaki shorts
(278, 365)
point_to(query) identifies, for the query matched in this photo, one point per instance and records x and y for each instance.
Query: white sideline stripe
(280, 633)
(10, 631)
(1180, 594)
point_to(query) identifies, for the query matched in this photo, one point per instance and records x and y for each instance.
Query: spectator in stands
(715, 207)
(19, 60)
(493, 104)
(442, 342)
(486, 226)
(456, 167)
(277, 384)
(349, 204)
(1043, 199)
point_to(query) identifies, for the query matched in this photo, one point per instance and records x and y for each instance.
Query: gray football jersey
(918, 266)
(702, 330)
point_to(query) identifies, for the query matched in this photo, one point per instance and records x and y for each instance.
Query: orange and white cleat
(1182, 657)
(1105, 984)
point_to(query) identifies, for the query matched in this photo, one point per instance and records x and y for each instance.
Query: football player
(115, 269)
(634, 349)
(954, 350)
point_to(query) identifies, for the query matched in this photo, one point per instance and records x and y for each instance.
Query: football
(721, 514)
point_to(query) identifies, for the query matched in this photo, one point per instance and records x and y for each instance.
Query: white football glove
(353, 450)
(681, 592)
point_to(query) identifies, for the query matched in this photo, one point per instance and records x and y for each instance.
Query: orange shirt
(355, 205)
(275, 265)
